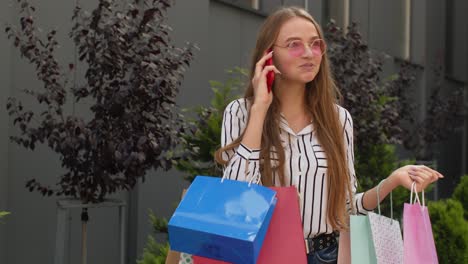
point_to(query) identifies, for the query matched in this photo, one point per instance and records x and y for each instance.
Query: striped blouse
(305, 164)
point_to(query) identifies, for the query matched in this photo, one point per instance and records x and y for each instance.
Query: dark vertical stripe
(347, 139)
(225, 129)
(243, 109)
(345, 119)
(321, 200)
(238, 169)
(300, 175)
(299, 165)
(326, 219)
(308, 166)
(232, 166)
(238, 119)
(254, 171)
(274, 178)
(290, 161)
(238, 128)
(299, 160)
(230, 123)
(306, 154)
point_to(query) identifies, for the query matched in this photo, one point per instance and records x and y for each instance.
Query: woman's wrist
(259, 108)
(394, 181)
(253, 133)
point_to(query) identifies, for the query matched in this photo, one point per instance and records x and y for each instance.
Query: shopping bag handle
(378, 199)
(413, 187)
(255, 180)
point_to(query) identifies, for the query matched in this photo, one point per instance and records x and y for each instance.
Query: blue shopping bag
(222, 219)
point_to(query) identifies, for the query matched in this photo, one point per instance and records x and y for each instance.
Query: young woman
(297, 134)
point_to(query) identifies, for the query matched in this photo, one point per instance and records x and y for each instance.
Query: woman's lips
(307, 66)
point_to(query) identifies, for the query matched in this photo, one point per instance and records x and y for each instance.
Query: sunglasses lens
(296, 48)
(318, 47)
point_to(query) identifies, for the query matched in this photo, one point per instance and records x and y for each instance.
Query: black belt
(320, 242)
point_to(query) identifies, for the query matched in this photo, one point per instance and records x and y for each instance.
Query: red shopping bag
(202, 260)
(284, 240)
(418, 241)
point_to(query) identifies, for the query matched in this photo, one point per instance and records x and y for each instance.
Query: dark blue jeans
(327, 255)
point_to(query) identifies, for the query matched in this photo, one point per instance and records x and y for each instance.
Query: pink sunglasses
(297, 48)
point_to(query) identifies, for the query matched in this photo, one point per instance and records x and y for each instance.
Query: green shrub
(450, 231)
(3, 214)
(461, 194)
(154, 252)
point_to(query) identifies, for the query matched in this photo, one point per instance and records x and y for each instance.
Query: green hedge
(450, 226)
(461, 194)
(154, 252)
(3, 214)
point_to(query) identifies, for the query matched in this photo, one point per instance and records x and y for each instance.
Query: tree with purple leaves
(131, 80)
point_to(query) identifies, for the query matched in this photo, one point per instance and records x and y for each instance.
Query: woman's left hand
(422, 175)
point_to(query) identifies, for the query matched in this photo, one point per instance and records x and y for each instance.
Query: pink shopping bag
(418, 241)
(284, 240)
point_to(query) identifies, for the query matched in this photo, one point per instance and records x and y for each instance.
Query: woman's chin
(303, 78)
(308, 78)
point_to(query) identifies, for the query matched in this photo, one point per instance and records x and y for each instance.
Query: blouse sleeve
(243, 162)
(348, 140)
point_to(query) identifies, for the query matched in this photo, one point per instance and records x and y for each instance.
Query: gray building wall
(5, 81)
(226, 35)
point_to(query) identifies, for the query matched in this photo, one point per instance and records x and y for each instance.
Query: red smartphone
(271, 74)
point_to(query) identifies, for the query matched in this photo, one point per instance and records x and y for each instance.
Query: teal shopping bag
(362, 245)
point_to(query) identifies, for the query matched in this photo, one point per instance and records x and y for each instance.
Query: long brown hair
(321, 96)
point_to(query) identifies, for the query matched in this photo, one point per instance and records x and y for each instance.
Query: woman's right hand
(262, 98)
